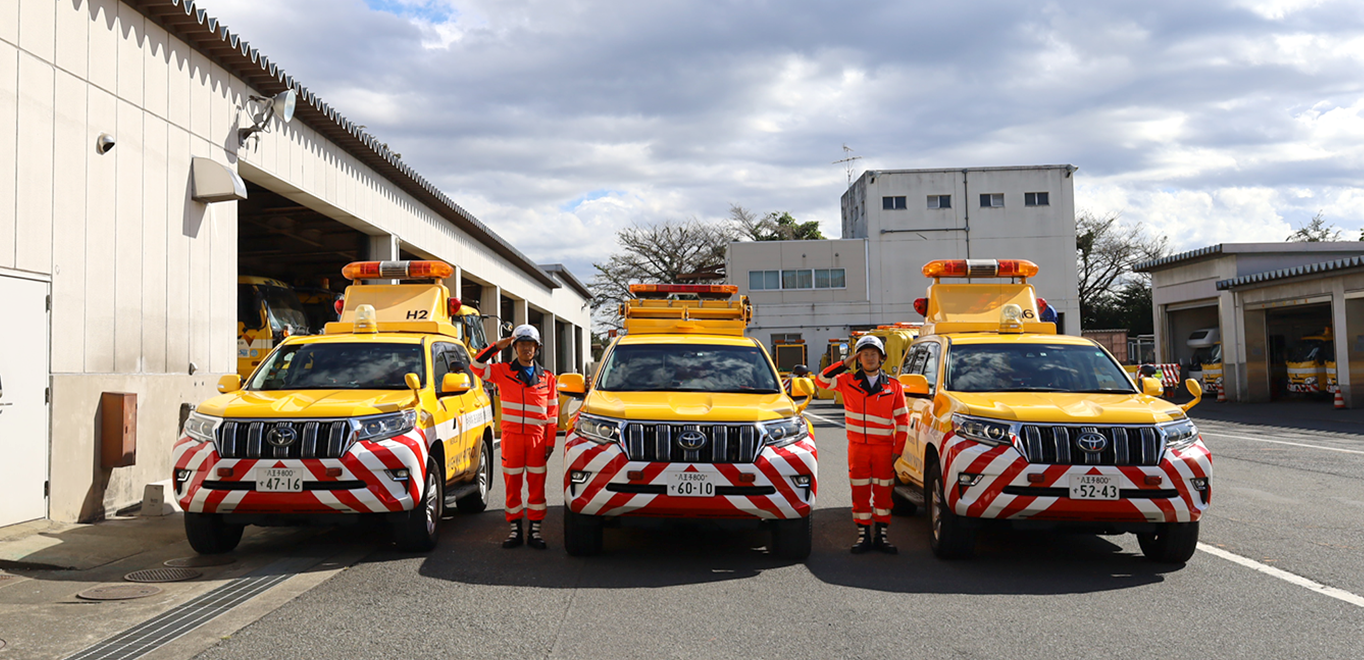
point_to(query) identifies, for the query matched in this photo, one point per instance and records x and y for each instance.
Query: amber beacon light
(397, 270)
(980, 268)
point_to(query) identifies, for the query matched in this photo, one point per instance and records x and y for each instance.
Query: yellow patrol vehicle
(1311, 364)
(380, 415)
(897, 339)
(1016, 426)
(686, 418)
(268, 311)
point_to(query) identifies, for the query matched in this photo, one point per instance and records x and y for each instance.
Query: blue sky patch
(595, 194)
(430, 10)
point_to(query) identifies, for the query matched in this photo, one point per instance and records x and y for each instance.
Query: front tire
(950, 537)
(582, 534)
(209, 534)
(418, 529)
(1173, 543)
(791, 539)
(477, 501)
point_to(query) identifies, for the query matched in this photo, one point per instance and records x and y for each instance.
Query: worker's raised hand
(503, 343)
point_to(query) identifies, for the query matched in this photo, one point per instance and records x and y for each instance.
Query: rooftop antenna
(847, 160)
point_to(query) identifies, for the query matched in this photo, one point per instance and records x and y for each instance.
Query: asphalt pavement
(1285, 498)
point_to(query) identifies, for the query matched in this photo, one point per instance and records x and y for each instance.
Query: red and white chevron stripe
(366, 461)
(775, 466)
(1002, 466)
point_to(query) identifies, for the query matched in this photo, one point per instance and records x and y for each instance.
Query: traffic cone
(1221, 392)
(1340, 400)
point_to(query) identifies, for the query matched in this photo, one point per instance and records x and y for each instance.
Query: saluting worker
(530, 421)
(877, 421)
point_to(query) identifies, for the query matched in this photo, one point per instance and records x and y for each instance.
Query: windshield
(1309, 350)
(284, 308)
(688, 368)
(1033, 368)
(367, 366)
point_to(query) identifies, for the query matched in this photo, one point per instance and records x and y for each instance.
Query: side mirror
(414, 382)
(572, 385)
(1196, 390)
(914, 384)
(455, 384)
(802, 387)
(229, 383)
(1152, 387)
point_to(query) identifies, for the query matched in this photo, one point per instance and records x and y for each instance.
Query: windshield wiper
(1034, 389)
(746, 390)
(1108, 390)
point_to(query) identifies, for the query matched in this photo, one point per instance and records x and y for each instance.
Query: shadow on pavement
(470, 552)
(1305, 415)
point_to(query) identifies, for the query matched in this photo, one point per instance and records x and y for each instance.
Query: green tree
(775, 226)
(1106, 250)
(1316, 230)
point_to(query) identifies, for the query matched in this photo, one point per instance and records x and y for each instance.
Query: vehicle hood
(688, 406)
(306, 403)
(1065, 407)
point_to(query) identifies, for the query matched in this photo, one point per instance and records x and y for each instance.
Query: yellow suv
(1014, 425)
(379, 416)
(687, 418)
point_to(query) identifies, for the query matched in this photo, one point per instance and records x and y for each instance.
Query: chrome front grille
(311, 439)
(1059, 445)
(666, 443)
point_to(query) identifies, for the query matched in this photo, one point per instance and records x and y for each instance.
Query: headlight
(202, 427)
(598, 429)
(981, 430)
(784, 431)
(1180, 434)
(383, 427)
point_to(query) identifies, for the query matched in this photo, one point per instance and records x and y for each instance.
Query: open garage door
(1301, 351)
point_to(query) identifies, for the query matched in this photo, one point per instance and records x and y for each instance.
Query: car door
(449, 409)
(475, 413)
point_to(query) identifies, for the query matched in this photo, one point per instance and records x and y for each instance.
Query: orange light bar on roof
(397, 270)
(728, 289)
(980, 268)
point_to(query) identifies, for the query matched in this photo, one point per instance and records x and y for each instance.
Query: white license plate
(1093, 487)
(279, 480)
(690, 484)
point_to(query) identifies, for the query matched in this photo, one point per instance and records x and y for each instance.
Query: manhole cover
(119, 592)
(162, 575)
(200, 561)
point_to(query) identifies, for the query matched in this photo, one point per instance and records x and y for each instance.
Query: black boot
(863, 540)
(535, 541)
(881, 543)
(515, 539)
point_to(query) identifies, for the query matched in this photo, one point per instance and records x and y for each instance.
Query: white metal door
(23, 399)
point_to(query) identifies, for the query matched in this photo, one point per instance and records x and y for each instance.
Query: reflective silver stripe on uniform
(864, 417)
(518, 419)
(861, 516)
(536, 507)
(514, 511)
(536, 470)
(901, 428)
(867, 430)
(881, 482)
(882, 512)
(900, 411)
(861, 482)
(527, 407)
(513, 470)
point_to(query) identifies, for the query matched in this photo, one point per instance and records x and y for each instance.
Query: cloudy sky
(559, 121)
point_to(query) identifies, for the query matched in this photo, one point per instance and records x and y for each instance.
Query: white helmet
(874, 342)
(526, 332)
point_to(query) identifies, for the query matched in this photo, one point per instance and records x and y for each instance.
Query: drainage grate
(119, 592)
(162, 575)
(199, 561)
(161, 630)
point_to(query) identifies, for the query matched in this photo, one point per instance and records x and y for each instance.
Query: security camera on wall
(104, 143)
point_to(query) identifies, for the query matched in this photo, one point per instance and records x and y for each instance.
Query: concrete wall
(143, 277)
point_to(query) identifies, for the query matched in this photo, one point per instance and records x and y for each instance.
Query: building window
(797, 279)
(1037, 199)
(939, 201)
(893, 203)
(992, 200)
(829, 279)
(764, 280)
(787, 338)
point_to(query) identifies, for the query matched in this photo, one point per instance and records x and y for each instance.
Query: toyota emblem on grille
(691, 440)
(1092, 442)
(282, 436)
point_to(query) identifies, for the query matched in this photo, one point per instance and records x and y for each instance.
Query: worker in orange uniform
(530, 421)
(877, 421)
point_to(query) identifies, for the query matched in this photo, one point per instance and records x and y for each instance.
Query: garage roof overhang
(1308, 270)
(204, 33)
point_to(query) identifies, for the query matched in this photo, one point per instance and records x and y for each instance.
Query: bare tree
(1106, 251)
(663, 253)
(775, 226)
(1316, 230)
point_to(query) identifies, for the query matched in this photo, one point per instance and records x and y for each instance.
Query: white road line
(1338, 594)
(824, 419)
(1219, 434)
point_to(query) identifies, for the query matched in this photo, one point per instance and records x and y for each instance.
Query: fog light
(1199, 483)
(182, 475)
(400, 474)
(333, 472)
(801, 480)
(1036, 477)
(747, 477)
(967, 480)
(1154, 480)
(579, 476)
(634, 475)
(224, 472)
